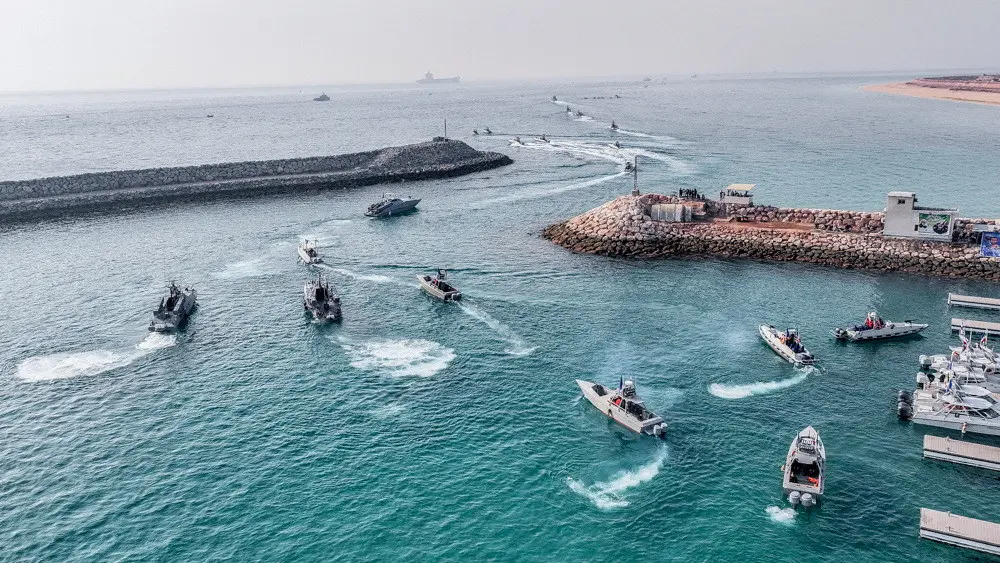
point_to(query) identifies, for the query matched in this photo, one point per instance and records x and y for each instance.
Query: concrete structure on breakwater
(439, 158)
(847, 239)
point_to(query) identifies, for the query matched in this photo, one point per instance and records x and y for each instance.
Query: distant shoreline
(907, 89)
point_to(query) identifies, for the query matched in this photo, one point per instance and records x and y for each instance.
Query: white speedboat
(803, 473)
(874, 328)
(439, 288)
(624, 407)
(308, 253)
(786, 344)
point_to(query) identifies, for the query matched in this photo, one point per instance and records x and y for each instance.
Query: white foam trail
(518, 346)
(610, 494)
(584, 118)
(400, 358)
(67, 365)
(535, 194)
(246, 269)
(606, 151)
(376, 278)
(759, 388)
(781, 515)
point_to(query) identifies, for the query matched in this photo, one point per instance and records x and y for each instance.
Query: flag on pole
(984, 339)
(621, 382)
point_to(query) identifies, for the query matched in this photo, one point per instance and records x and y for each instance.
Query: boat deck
(973, 301)
(974, 326)
(960, 531)
(966, 453)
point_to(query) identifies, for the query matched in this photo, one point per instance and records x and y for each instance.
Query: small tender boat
(487, 131)
(579, 113)
(392, 205)
(803, 473)
(614, 126)
(439, 288)
(624, 407)
(874, 328)
(308, 253)
(786, 344)
(555, 99)
(320, 301)
(174, 309)
(322, 98)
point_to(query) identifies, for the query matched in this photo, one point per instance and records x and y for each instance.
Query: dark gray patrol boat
(320, 301)
(392, 205)
(174, 309)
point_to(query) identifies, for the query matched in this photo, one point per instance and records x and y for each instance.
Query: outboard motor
(925, 361)
(904, 396)
(904, 410)
(794, 497)
(808, 500)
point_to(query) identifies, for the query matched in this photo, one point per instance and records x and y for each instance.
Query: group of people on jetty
(792, 341)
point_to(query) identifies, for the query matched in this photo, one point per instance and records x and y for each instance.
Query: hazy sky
(95, 44)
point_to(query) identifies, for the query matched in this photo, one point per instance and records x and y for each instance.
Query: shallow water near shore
(416, 429)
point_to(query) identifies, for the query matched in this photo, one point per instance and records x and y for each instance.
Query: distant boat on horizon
(429, 79)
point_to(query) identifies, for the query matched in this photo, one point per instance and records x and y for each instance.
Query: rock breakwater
(623, 228)
(421, 161)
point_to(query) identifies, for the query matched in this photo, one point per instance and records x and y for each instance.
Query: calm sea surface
(422, 431)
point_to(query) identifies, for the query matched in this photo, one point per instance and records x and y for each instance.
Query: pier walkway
(966, 453)
(973, 301)
(960, 531)
(974, 326)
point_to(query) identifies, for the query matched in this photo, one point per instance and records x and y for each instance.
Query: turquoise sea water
(417, 430)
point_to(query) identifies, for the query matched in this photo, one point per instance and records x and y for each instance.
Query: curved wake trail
(759, 388)
(376, 278)
(518, 346)
(67, 365)
(545, 193)
(398, 358)
(611, 494)
(607, 151)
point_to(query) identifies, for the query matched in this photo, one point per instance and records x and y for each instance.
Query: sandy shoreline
(904, 89)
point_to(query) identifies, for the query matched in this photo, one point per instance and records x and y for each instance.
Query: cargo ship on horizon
(429, 79)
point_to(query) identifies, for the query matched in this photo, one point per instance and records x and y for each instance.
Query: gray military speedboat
(392, 205)
(320, 301)
(174, 309)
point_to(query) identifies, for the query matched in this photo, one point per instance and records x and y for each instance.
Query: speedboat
(308, 253)
(874, 328)
(487, 131)
(322, 98)
(555, 99)
(439, 288)
(956, 406)
(614, 126)
(579, 113)
(392, 205)
(320, 301)
(803, 473)
(623, 406)
(174, 309)
(786, 344)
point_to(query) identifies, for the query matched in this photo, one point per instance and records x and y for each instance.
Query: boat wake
(611, 494)
(781, 515)
(246, 269)
(518, 346)
(399, 358)
(759, 388)
(535, 194)
(376, 278)
(606, 151)
(69, 365)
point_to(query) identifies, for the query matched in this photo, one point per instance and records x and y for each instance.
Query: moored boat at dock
(803, 475)
(439, 288)
(623, 406)
(174, 309)
(874, 328)
(786, 344)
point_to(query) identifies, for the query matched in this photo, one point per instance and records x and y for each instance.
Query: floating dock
(966, 453)
(975, 326)
(973, 301)
(960, 531)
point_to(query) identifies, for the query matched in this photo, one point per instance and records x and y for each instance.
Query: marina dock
(975, 326)
(966, 453)
(960, 531)
(973, 301)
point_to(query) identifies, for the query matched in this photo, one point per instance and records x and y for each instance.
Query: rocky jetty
(440, 158)
(624, 228)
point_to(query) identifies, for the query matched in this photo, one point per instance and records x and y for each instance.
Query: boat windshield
(807, 445)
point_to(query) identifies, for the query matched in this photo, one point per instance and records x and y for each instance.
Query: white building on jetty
(737, 194)
(904, 218)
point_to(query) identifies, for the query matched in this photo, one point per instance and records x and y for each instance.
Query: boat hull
(396, 208)
(956, 424)
(770, 337)
(437, 293)
(891, 330)
(614, 412)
